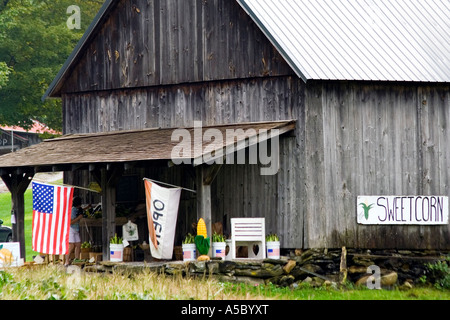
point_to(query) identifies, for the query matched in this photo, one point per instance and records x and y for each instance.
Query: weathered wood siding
(373, 139)
(148, 43)
(239, 190)
(170, 63)
(221, 102)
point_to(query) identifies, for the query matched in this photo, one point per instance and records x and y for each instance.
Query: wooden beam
(17, 185)
(6, 177)
(75, 167)
(129, 165)
(205, 175)
(109, 179)
(210, 173)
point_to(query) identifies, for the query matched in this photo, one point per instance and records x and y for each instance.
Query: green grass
(305, 292)
(5, 215)
(52, 282)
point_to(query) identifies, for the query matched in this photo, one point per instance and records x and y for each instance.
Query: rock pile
(316, 267)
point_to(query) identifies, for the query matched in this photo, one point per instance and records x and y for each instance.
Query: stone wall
(317, 267)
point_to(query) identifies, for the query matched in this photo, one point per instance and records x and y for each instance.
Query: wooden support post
(343, 266)
(17, 185)
(205, 177)
(109, 179)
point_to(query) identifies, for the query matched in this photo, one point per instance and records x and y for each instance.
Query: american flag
(220, 253)
(187, 254)
(51, 218)
(116, 254)
(273, 252)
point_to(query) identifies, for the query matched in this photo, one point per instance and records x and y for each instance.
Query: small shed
(361, 89)
(13, 138)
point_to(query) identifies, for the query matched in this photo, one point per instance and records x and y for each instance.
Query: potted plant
(273, 246)
(116, 249)
(218, 246)
(189, 248)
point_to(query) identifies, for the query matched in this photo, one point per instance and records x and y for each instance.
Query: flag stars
(43, 198)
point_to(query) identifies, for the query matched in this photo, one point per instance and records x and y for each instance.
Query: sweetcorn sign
(422, 210)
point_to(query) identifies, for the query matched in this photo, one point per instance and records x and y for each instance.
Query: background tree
(34, 44)
(4, 72)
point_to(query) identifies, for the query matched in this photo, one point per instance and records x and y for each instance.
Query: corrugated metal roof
(386, 40)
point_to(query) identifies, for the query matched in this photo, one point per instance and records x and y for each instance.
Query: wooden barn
(356, 94)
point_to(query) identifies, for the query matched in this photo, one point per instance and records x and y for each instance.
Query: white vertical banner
(162, 212)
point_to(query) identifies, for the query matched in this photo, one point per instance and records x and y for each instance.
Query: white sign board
(413, 210)
(10, 254)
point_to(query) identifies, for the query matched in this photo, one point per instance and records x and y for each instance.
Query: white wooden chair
(248, 232)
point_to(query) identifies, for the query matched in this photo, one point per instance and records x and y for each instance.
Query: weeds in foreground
(56, 283)
(440, 273)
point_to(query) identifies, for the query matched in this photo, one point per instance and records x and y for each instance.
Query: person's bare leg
(77, 250)
(71, 248)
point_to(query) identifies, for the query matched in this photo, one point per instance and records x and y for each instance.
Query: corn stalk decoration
(201, 239)
(116, 240)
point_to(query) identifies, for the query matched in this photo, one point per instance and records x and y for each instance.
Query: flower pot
(116, 252)
(218, 250)
(189, 251)
(273, 249)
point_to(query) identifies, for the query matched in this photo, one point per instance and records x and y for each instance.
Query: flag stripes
(51, 218)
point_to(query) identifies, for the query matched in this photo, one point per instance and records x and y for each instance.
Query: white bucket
(218, 250)
(273, 249)
(116, 252)
(189, 251)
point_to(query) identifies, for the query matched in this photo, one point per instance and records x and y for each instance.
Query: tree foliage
(4, 72)
(35, 41)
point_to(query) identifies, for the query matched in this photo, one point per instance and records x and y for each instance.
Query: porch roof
(139, 145)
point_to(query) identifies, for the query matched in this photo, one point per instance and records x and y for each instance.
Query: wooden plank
(314, 169)
(108, 185)
(434, 137)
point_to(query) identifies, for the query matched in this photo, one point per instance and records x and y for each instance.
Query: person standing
(74, 233)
